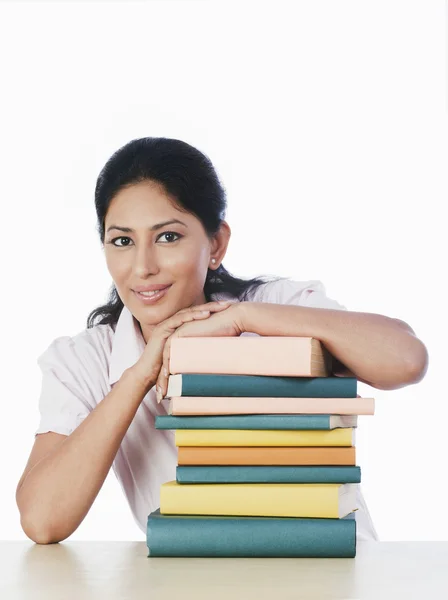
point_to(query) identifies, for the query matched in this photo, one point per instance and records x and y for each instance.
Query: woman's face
(177, 254)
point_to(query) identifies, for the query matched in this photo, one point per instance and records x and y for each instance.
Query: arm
(377, 350)
(65, 473)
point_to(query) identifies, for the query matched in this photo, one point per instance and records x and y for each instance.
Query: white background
(326, 122)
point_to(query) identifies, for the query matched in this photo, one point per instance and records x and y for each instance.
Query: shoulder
(310, 293)
(74, 378)
(87, 343)
(82, 357)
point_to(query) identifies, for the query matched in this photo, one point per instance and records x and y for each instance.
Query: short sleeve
(64, 397)
(310, 293)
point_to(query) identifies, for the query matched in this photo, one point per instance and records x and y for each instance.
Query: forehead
(146, 206)
(145, 198)
(144, 191)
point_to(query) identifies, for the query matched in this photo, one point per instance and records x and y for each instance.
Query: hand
(221, 324)
(149, 365)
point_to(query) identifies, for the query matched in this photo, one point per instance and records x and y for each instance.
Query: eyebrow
(153, 228)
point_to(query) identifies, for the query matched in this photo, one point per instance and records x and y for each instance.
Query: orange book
(234, 405)
(233, 455)
(250, 355)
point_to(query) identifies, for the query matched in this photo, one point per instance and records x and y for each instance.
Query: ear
(220, 242)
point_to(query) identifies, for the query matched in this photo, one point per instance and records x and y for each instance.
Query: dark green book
(296, 422)
(268, 474)
(257, 386)
(277, 537)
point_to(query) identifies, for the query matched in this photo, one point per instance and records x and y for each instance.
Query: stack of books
(266, 451)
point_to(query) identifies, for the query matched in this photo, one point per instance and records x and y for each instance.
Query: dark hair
(189, 177)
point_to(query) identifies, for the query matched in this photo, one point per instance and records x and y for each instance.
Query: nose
(145, 262)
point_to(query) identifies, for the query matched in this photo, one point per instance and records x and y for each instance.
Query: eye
(166, 233)
(171, 233)
(118, 238)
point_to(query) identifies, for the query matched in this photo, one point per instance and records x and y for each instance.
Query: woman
(160, 209)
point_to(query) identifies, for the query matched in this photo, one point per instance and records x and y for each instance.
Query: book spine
(258, 422)
(180, 405)
(197, 384)
(250, 537)
(254, 499)
(259, 355)
(266, 474)
(251, 437)
(237, 455)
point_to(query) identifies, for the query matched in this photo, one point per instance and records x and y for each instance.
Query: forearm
(59, 490)
(378, 350)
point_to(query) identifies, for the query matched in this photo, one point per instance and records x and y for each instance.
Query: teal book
(267, 537)
(268, 474)
(277, 422)
(257, 386)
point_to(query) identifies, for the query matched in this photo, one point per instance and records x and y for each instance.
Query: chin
(153, 315)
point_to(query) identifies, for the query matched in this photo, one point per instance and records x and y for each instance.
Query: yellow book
(266, 437)
(319, 500)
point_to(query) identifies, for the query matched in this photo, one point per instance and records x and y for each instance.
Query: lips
(153, 298)
(150, 288)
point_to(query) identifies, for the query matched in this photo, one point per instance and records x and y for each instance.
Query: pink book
(250, 355)
(216, 405)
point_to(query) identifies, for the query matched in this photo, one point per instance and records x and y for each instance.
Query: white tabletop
(122, 570)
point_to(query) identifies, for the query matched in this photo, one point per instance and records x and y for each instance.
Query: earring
(213, 261)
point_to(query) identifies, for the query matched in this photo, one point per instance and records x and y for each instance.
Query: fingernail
(159, 394)
(224, 301)
(165, 372)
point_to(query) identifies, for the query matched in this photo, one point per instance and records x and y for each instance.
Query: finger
(159, 390)
(215, 305)
(162, 379)
(169, 327)
(159, 385)
(164, 374)
(212, 306)
(189, 314)
(177, 320)
(165, 367)
(172, 323)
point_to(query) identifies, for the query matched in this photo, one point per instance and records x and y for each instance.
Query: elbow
(38, 527)
(419, 366)
(411, 372)
(417, 359)
(48, 526)
(40, 532)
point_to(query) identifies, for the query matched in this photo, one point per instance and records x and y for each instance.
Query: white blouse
(79, 371)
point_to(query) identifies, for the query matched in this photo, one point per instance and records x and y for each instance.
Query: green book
(225, 536)
(268, 474)
(257, 386)
(284, 421)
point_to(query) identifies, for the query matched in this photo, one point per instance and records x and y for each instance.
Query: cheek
(189, 272)
(115, 266)
(189, 263)
(109, 263)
